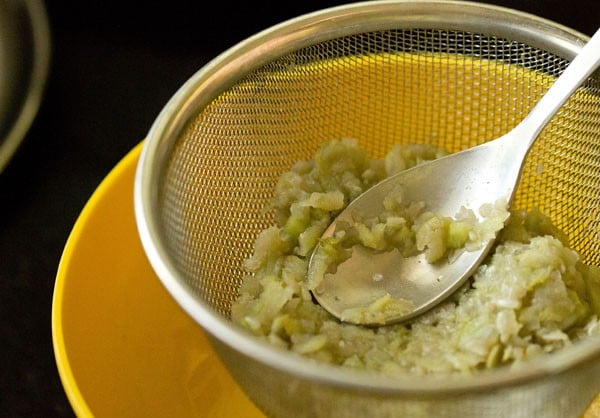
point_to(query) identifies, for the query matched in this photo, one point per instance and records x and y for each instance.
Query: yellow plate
(123, 347)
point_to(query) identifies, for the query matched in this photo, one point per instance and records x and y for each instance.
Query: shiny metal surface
(24, 66)
(471, 178)
(366, 70)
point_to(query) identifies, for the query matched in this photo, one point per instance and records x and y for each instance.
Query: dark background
(114, 65)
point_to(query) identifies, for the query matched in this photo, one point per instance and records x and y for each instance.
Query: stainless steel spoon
(471, 178)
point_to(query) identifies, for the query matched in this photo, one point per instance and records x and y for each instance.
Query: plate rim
(67, 377)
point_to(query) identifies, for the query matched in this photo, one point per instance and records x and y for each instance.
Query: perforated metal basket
(448, 73)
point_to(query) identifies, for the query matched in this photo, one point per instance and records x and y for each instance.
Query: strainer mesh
(450, 88)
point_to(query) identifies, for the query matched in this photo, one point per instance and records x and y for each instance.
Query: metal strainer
(448, 73)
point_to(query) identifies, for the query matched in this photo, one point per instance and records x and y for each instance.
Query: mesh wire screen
(449, 88)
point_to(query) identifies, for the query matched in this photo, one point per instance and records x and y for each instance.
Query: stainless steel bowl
(24, 65)
(445, 72)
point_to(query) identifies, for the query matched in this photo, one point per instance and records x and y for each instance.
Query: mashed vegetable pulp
(532, 295)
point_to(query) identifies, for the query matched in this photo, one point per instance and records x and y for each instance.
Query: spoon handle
(582, 66)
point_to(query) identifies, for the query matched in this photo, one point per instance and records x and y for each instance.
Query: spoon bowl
(480, 175)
